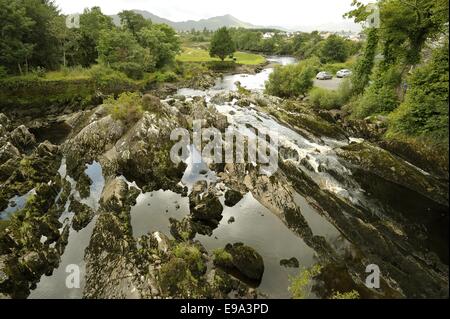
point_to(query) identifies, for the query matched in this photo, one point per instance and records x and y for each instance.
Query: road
(332, 84)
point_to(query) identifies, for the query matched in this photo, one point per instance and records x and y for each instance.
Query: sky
(305, 14)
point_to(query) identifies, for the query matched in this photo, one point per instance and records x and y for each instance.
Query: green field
(199, 55)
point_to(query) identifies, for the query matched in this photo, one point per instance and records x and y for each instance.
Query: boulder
(232, 197)
(243, 259)
(291, 263)
(22, 138)
(204, 204)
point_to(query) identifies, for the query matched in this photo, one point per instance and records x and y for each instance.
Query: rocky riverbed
(103, 195)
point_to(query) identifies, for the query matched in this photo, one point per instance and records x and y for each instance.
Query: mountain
(210, 24)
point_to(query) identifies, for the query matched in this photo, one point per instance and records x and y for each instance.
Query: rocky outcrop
(372, 159)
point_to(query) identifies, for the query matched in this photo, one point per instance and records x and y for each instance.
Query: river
(254, 224)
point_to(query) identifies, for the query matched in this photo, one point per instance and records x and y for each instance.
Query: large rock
(22, 138)
(232, 197)
(204, 204)
(241, 258)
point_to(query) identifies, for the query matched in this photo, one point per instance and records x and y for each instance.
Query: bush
(168, 76)
(325, 99)
(425, 109)
(3, 72)
(131, 69)
(381, 96)
(127, 107)
(292, 80)
(103, 75)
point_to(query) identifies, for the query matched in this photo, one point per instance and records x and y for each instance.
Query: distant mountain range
(230, 21)
(210, 24)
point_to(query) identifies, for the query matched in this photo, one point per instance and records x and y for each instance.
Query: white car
(324, 76)
(343, 73)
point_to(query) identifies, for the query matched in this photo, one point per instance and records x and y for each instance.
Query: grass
(200, 55)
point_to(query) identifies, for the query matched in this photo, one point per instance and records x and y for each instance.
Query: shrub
(329, 99)
(131, 69)
(168, 76)
(292, 80)
(346, 295)
(301, 284)
(103, 75)
(381, 96)
(425, 109)
(192, 256)
(3, 72)
(127, 107)
(325, 99)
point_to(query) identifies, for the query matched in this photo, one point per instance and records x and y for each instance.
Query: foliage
(127, 107)
(365, 63)
(381, 96)
(120, 50)
(334, 49)
(425, 109)
(292, 80)
(222, 45)
(92, 23)
(301, 284)
(192, 256)
(133, 22)
(353, 294)
(329, 99)
(162, 43)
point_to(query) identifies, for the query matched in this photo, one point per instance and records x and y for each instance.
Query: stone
(291, 263)
(232, 197)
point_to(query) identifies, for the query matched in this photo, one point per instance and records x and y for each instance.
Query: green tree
(334, 49)
(133, 22)
(92, 23)
(14, 49)
(119, 50)
(162, 42)
(222, 44)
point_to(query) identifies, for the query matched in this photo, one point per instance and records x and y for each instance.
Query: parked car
(343, 73)
(324, 76)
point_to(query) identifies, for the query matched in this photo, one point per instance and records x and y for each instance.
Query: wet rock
(291, 263)
(4, 121)
(22, 138)
(375, 160)
(232, 197)
(8, 151)
(231, 220)
(114, 194)
(182, 230)
(163, 241)
(204, 204)
(4, 277)
(33, 262)
(179, 97)
(83, 214)
(113, 269)
(241, 258)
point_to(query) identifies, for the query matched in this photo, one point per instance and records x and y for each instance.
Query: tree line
(35, 36)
